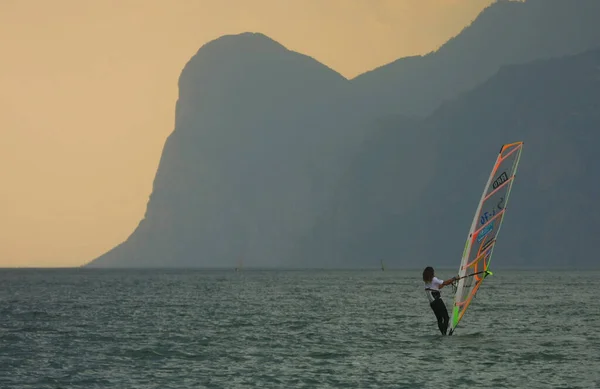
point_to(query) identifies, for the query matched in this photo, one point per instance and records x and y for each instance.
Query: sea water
(88, 328)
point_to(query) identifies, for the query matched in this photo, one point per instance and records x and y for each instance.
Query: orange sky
(88, 91)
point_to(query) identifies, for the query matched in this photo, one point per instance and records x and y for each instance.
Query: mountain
(278, 160)
(258, 137)
(506, 32)
(409, 200)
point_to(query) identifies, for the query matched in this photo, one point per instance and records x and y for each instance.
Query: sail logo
(502, 178)
(484, 231)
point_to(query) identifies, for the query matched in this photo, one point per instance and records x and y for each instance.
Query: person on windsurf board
(432, 289)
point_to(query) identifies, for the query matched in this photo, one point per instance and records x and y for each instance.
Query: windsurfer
(432, 289)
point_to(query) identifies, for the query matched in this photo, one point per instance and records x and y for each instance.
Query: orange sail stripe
(509, 145)
(479, 257)
(503, 157)
(476, 233)
(498, 188)
(464, 304)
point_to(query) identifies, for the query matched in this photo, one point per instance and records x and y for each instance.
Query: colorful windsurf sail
(475, 262)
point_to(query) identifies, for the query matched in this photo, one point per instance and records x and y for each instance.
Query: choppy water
(121, 329)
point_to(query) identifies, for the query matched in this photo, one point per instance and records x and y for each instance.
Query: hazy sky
(88, 91)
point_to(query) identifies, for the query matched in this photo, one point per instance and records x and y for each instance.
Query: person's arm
(448, 282)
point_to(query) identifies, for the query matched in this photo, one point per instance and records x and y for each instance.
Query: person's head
(428, 274)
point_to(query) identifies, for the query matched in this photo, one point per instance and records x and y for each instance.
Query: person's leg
(437, 312)
(445, 317)
(439, 308)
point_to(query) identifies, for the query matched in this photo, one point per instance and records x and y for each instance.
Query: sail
(239, 265)
(484, 230)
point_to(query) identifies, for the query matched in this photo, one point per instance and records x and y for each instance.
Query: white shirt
(433, 286)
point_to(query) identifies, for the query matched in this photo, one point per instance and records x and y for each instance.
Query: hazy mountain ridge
(264, 144)
(552, 105)
(505, 32)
